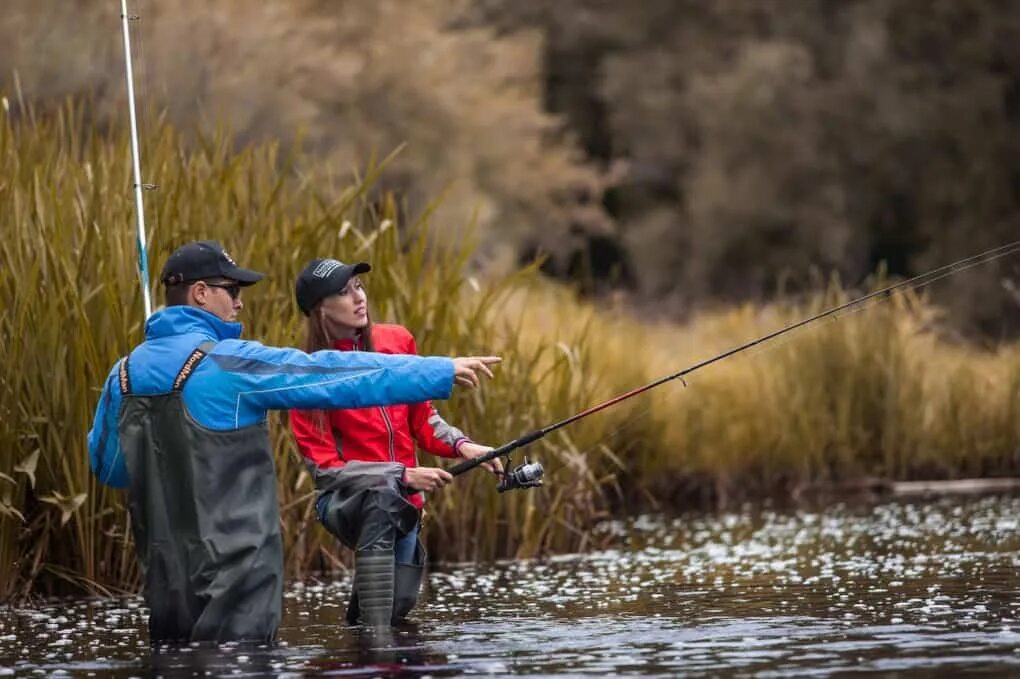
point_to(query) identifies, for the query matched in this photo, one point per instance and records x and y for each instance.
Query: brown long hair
(317, 338)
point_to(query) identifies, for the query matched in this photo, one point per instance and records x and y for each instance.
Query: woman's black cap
(322, 278)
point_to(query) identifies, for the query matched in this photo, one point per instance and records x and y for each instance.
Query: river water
(898, 589)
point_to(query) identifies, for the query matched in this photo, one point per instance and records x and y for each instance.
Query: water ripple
(912, 589)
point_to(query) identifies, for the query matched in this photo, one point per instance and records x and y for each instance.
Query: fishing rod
(529, 474)
(143, 257)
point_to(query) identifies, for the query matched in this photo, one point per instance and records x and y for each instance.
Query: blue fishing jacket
(239, 380)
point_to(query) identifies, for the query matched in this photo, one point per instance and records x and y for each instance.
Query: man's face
(221, 297)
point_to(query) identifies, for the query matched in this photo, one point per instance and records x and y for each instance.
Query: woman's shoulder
(392, 336)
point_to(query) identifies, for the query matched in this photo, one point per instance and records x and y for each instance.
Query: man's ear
(198, 293)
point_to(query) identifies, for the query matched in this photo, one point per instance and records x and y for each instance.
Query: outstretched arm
(270, 378)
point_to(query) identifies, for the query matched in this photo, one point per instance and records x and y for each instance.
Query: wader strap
(189, 365)
(125, 380)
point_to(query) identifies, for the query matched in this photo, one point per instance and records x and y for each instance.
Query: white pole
(143, 259)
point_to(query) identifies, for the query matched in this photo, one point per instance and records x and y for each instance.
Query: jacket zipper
(389, 431)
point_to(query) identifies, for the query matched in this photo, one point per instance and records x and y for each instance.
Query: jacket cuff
(458, 443)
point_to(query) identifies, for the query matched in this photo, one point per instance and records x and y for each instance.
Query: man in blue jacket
(181, 423)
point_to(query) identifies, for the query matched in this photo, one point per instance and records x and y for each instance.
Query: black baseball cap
(322, 278)
(201, 259)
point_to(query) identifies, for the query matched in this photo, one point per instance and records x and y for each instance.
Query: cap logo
(227, 257)
(326, 267)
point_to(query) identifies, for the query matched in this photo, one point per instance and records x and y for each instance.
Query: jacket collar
(183, 320)
(346, 344)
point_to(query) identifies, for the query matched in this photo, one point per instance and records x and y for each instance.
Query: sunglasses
(233, 289)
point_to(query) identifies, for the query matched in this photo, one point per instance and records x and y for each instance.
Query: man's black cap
(322, 278)
(202, 259)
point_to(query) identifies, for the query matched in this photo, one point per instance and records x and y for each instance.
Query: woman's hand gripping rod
(527, 475)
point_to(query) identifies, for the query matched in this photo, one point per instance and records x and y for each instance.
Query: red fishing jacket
(328, 440)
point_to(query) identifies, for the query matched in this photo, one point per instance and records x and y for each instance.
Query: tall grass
(875, 393)
(870, 394)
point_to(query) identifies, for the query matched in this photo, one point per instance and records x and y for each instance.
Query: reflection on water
(910, 589)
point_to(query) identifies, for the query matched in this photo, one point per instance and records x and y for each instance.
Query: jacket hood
(181, 320)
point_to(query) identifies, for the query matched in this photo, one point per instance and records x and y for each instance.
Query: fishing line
(141, 240)
(152, 93)
(144, 26)
(936, 275)
(756, 352)
(530, 474)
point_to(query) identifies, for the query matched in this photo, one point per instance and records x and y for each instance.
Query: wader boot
(374, 564)
(373, 587)
(407, 584)
(405, 581)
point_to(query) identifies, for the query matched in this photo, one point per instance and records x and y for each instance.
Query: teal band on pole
(143, 257)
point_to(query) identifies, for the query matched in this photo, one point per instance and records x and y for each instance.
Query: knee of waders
(381, 522)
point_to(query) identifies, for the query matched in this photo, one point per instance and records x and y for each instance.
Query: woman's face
(346, 311)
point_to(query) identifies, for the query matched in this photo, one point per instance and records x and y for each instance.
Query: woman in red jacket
(332, 296)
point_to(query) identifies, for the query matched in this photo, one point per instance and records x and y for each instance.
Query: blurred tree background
(688, 152)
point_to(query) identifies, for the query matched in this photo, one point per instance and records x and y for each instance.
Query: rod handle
(468, 465)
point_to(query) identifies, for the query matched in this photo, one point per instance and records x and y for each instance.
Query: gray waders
(368, 511)
(381, 584)
(205, 519)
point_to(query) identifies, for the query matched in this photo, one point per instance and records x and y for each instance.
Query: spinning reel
(526, 475)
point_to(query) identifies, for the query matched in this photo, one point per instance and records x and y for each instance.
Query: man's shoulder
(234, 352)
(164, 349)
(237, 346)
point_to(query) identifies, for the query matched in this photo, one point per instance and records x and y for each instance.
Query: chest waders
(205, 518)
(366, 507)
